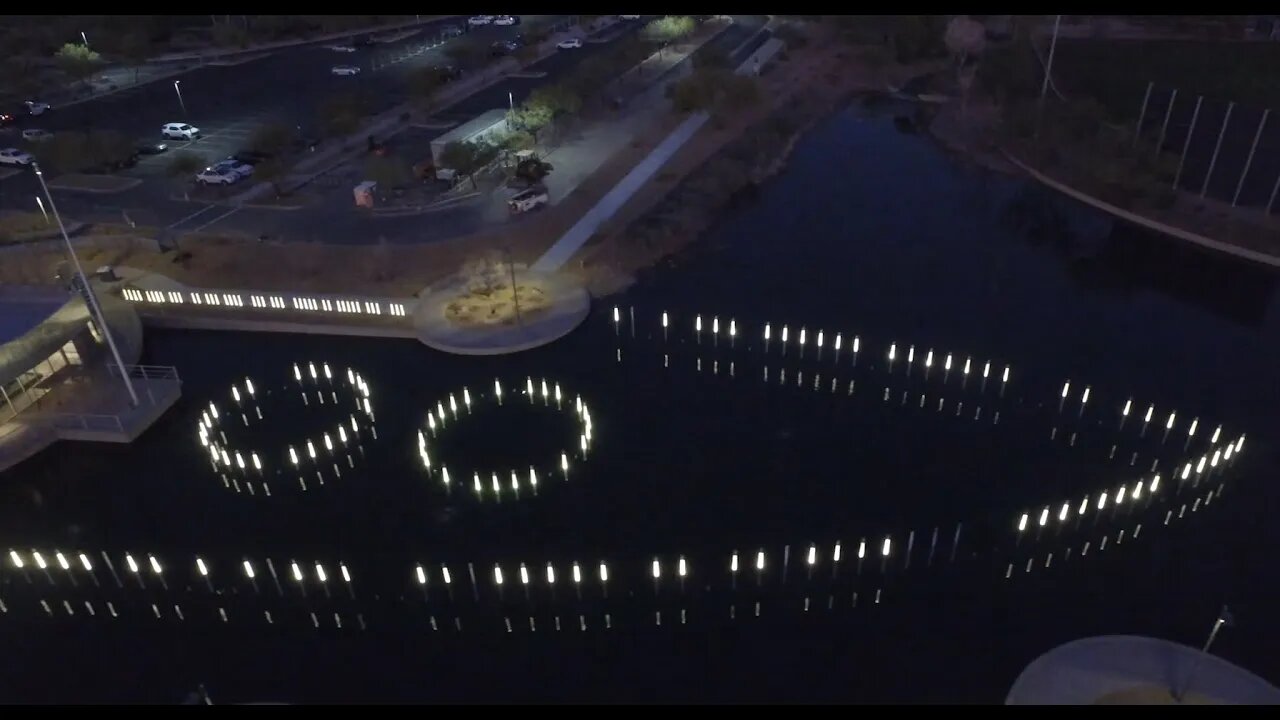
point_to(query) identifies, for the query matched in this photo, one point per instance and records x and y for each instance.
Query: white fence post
(1142, 114)
(1248, 162)
(1187, 143)
(1164, 127)
(1217, 147)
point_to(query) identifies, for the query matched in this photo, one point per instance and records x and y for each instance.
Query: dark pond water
(704, 446)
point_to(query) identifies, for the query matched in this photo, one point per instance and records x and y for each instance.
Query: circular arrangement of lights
(492, 482)
(252, 470)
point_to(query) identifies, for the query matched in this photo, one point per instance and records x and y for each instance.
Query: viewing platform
(59, 382)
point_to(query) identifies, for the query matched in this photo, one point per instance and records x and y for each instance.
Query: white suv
(14, 156)
(180, 131)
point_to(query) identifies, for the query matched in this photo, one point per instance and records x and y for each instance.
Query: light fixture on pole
(1224, 619)
(181, 103)
(1048, 70)
(94, 308)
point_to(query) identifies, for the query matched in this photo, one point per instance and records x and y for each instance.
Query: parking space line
(223, 215)
(202, 210)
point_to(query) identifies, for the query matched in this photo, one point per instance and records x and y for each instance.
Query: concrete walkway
(577, 236)
(1133, 670)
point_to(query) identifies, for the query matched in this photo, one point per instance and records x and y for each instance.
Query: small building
(58, 379)
(474, 130)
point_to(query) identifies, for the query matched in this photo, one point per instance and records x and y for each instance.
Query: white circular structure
(495, 483)
(308, 461)
(1134, 670)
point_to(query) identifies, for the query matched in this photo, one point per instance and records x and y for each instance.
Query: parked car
(38, 108)
(527, 200)
(146, 147)
(233, 166)
(478, 20)
(210, 176)
(14, 156)
(345, 70)
(628, 17)
(503, 47)
(36, 135)
(343, 48)
(570, 44)
(451, 31)
(6, 121)
(506, 20)
(180, 131)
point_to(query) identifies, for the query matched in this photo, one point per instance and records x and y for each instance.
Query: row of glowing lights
(1151, 409)
(368, 307)
(820, 341)
(446, 576)
(220, 454)
(584, 438)
(947, 362)
(1064, 512)
(1120, 535)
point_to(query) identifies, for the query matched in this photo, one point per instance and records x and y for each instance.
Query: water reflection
(511, 596)
(1120, 258)
(1146, 468)
(314, 392)
(489, 483)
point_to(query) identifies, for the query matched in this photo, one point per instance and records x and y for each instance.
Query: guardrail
(146, 372)
(286, 302)
(84, 421)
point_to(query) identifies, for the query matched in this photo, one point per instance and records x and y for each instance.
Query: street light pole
(94, 308)
(84, 38)
(1224, 617)
(1048, 71)
(181, 104)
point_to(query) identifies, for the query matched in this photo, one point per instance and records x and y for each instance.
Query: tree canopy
(669, 28)
(77, 61)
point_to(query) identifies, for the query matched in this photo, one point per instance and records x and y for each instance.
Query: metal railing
(84, 421)
(254, 300)
(146, 372)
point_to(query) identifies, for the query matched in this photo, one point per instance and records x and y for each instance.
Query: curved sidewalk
(1134, 670)
(569, 306)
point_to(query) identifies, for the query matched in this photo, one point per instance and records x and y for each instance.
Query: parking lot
(228, 102)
